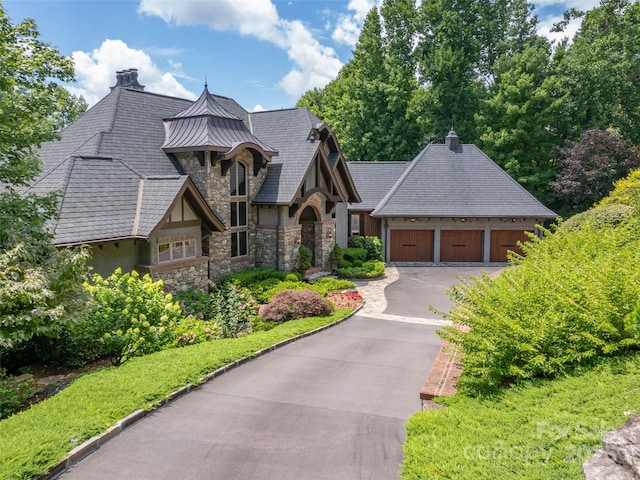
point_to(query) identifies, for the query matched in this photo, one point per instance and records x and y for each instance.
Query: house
(190, 191)
(452, 203)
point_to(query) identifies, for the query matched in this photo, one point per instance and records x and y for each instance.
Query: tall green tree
(518, 124)
(367, 104)
(39, 284)
(601, 71)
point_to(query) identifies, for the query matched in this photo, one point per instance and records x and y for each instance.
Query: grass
(543, 430)
(33, 441)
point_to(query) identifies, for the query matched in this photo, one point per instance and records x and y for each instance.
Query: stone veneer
(182, 275)
(287, 247)
(215, 189)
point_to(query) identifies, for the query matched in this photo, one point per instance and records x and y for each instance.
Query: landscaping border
(93, 443)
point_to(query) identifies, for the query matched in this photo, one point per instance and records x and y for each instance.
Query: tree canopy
(481, 68)
(39, 284)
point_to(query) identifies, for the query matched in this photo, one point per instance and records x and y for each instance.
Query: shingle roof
(207, 125)
(287, 130)
(440, 182)
(105, 200)
(374, 180)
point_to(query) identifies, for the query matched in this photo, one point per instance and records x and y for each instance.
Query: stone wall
(285, 248)
(215, 189)
(182, 275)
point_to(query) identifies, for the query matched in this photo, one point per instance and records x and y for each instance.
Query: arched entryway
(308, 219)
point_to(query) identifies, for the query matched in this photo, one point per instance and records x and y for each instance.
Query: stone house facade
(191, 191)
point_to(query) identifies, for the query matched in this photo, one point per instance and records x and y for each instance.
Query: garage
(461, 245)
(504, 240)
(411, 246)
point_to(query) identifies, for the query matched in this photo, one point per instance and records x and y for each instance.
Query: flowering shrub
(345, 299)
(129, 315)
(292, 304)
(192, 330)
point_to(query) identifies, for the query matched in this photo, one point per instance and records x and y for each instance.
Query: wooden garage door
(461, 245)
(411, 246)
(504, 240)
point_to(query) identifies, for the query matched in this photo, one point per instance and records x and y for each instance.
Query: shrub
(598, 217)
(367, 270)
(235, 307)
(356, 241)
(129, 316)
(325, 285)
(373, 246)
(562, 307)
(336, 253)
(293, 277)
(193, 330)
(352, 254)
(292, 304)
(196, 303)
(344, 264)
(304, 259)
(358, 263)
(13, 393)
(267, 295)
(246, 278)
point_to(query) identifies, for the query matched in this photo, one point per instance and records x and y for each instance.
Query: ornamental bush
(291, 304)
(572, 299)
(246, 278)
(352, 254)
(373, 246)
(129, 315)
(367, 270)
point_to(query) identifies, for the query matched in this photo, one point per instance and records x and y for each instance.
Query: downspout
(278, 239)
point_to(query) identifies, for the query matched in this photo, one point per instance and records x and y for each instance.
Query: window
(239, 209)
(172, 249)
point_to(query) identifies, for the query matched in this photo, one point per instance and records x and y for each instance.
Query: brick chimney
(129, 79)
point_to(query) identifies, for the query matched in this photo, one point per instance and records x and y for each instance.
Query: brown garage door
(461, 245)
(411, 246)
(504, 240)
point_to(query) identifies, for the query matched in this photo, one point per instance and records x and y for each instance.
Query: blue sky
(263, 53)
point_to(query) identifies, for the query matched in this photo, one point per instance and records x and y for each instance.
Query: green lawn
(541, 430)
(33, 441)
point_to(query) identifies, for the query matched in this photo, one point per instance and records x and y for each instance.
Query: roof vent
(452, 141)
(129, 79)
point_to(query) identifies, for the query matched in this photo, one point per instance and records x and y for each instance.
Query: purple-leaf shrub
(292, 304)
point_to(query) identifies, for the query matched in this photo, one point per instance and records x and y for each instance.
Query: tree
(39, 284)
(601, 71)
(367, 104)
(518, 124)
(590, 167)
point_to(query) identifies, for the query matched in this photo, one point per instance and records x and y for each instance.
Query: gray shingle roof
(440, 182)
(287, 130)
(374, 180)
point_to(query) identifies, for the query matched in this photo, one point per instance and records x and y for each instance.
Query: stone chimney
(452, 141)
(129, 79)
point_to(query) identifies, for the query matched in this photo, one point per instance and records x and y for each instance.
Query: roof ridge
(400, 179)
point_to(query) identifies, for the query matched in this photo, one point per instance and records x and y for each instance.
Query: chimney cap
(128, 78)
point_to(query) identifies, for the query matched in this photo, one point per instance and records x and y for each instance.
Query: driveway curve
(329, 406)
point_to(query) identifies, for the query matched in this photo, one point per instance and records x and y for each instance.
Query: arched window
(238, 199)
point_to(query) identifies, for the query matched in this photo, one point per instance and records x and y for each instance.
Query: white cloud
(258, 108)
(348, 26)
(96, 72)
(314, 65)
(550, 12)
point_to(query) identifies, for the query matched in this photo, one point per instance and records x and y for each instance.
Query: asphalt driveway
(329, 406)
